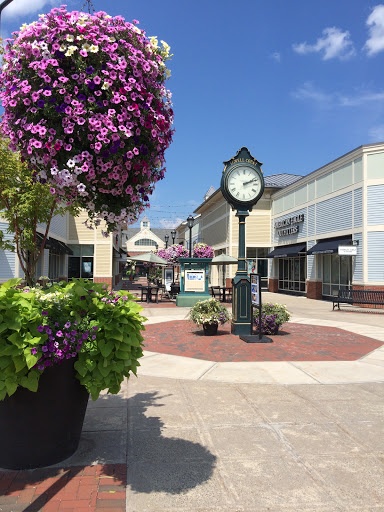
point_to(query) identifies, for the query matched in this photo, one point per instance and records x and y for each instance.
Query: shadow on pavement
(157, 463)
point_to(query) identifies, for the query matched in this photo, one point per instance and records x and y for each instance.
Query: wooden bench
(371, 297)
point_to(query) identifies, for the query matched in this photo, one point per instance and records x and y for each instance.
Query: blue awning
(287, 251)
(329, 246)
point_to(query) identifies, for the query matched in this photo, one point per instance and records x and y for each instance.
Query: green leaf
(13, 322)
(104, 370)
(11, 283)
(30, 359)
(106, 347)
(31, 380)
(19, 363)
(81, 368)
(16, 339)
(11, 386)
(90, 364)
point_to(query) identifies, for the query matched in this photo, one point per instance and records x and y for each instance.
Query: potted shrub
(272, 317)
(57, 346)
(209, 313)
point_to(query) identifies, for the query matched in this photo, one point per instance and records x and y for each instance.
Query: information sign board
(255, 289)
(194, 280)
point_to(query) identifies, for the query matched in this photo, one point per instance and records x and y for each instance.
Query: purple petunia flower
(89, 70)
(40, 328)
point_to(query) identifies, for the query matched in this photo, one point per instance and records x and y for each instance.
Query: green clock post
(242, 185)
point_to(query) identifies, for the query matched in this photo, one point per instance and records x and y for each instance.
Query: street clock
(242, 185)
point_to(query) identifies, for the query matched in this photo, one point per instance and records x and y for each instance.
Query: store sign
(290, 225)
(347, 250)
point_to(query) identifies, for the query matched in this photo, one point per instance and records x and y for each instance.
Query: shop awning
(287, 251)
(65, 249)
(329, 246)
(39, 241)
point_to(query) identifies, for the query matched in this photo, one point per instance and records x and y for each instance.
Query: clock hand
(248, 182)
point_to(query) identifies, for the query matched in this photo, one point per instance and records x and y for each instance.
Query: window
(146, 241)
(54, 266)
(81, 263)
(337, 272)
(257, 263)
(293, 274)
(145, 224)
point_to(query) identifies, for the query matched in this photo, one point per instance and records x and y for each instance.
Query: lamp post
(190, 223)
(173, 235)
(166, 238)
(2, 6)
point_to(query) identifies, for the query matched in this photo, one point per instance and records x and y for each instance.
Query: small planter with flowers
(209, 314)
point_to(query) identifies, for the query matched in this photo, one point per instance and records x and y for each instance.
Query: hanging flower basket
(85, 103)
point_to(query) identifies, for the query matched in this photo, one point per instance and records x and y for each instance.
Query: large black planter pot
(210, 329)
(43, 428)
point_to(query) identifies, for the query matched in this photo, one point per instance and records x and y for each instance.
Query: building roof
(160, 232)
(281, 180)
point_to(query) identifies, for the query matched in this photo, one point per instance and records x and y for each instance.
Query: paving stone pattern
(295, 342)
(76, 489)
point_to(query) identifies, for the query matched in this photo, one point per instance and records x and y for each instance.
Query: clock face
(244, 184)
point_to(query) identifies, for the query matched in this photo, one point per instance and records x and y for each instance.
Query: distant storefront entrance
(292, 268)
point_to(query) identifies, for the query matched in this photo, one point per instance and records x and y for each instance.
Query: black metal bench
(371, 297)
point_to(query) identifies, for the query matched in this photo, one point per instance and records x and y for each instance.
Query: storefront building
(327, 229)
(71, 251)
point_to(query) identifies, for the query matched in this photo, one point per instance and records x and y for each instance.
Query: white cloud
(170, 224)
(375, 22)
(377, 133)
(361, 99)
(333, 44)
(308, 91)
(21, 8)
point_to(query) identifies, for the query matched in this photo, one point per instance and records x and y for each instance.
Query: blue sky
(299, 83)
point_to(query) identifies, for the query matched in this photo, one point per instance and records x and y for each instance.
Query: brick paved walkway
(296, 342)
(96, 488)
